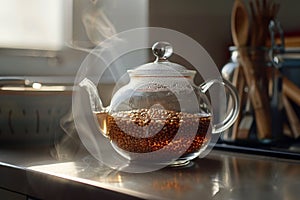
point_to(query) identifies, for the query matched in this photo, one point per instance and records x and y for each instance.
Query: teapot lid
(161, 66)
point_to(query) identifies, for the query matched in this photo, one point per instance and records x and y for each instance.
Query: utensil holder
(245, 127)
(282, 67)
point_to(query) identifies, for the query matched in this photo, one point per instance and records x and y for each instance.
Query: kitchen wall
(208, 22)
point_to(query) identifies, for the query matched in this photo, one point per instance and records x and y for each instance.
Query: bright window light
(31, 24)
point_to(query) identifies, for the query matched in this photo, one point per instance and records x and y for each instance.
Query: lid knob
(162, 50)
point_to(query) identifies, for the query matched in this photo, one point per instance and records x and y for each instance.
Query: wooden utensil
(292, 117)
(246, 118)
(262, 13)
(239, 82)
(240, 32)
(291, 90)
(239, 24)
(246, 122)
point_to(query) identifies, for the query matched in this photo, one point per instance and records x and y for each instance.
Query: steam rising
(98, 28)
(97, 25)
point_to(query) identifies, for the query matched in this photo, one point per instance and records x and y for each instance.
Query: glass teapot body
(147, 114)
(160, 116)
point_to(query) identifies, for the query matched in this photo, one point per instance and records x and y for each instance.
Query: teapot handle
(232, 115)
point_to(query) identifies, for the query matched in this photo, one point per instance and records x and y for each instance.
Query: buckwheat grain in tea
(148, 130)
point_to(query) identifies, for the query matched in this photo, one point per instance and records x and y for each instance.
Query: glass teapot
(160, 116)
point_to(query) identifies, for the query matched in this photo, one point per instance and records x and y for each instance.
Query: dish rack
(31, 109)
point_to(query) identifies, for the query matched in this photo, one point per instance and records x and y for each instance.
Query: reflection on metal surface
(37, 87)
(99, 172)
(24, 84)
(216, 187)
(171, 184)
(218, 176)
(66, 169)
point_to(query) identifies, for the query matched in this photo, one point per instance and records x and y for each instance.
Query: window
(31, 24)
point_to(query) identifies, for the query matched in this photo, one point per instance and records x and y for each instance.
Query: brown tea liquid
(148, 130)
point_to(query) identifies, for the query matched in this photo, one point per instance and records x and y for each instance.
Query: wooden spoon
(239, 24)
(240, 33)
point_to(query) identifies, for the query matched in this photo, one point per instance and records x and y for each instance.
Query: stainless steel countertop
(220, 175)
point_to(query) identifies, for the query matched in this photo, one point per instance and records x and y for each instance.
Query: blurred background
(36, 35)
(46, 41)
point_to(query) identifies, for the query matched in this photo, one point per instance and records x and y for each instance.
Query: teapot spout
(95, 101)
